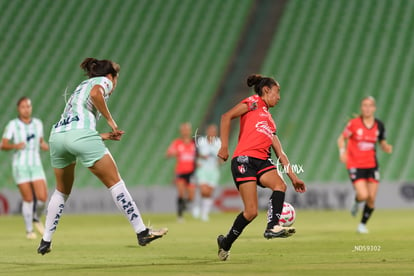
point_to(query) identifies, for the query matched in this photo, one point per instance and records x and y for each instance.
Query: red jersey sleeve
(348, 130)
(251, 103)
(172, 149)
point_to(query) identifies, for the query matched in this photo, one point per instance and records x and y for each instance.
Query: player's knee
(250, 214)
(362, 197)
(278, 186)
(281, 187)
(42, 197)
(370, 201)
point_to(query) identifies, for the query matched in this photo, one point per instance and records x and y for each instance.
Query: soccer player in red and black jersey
(184, 150)
(359, 155)
(251, 164)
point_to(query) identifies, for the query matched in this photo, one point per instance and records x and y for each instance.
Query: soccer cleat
(290, 231)
(362, 229)
(222, 254)
(31, 235)
(279, 232)
(39, 226)
(44, 247)
(354, 208)
(148, 235)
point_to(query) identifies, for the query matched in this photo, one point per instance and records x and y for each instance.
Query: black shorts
(245, 168)
(185, 176)
(370, 175)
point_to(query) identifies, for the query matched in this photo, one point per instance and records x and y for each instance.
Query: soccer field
(325, 244)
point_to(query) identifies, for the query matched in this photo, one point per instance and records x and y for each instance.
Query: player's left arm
(297, 183)
(382, 138)
(43, 145)
(385, 146)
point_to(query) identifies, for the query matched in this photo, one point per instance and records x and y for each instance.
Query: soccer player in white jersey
(208, 173)
(74, 138)
(24, 135)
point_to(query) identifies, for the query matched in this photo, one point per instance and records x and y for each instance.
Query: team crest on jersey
(30, 137)
(242, 168)
(253, 106)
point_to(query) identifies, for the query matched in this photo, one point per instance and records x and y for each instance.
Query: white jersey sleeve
(80, 113)
(208, 152)
(9, 130)
(29, 133)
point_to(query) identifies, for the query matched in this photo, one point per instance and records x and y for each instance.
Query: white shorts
(208, 176)
(24, 174)
(85, 145)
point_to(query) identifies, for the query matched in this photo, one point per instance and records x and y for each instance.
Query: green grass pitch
(325, 244)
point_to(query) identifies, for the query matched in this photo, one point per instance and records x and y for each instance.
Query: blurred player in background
(74, 137)
(184, 150)
(251, 164)
(207, 173)
(24, 135)
(359, 155)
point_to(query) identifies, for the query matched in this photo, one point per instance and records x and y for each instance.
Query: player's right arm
(112, 136)
(7, 137)
(98, 100)
(172, 150)
(6, 145)
(225, 122)
(342, 148)
(342, 142)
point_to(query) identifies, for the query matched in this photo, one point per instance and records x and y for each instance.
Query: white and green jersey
(208, 151)
(16, 132)
(80, 113)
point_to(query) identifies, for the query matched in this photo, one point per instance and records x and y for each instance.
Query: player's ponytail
(259, 82)
(98, 68)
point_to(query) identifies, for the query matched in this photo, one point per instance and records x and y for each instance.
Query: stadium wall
(161, 199)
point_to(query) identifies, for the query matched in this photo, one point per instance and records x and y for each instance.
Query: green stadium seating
(328, 55)
(172, 54)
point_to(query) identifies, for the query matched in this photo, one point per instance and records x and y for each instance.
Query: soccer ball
(288, 216)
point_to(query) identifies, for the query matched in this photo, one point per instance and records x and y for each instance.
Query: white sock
(127, 205)
(40, 207)
(54, 212)
(206, 203)
(27, 212)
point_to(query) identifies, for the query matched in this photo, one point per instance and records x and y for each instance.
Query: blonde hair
(369, 98)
